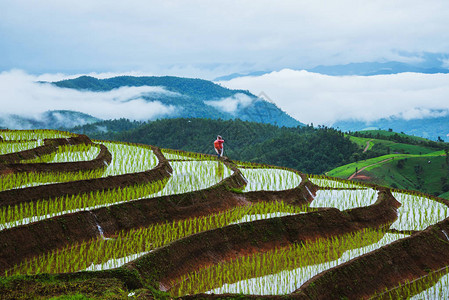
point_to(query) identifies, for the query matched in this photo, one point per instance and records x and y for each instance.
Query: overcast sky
(207, 39)
(203, 38)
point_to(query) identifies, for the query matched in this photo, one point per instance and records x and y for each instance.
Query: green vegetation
(27, 135)
(12, 146)
(278, 271)
(191, 96)
(360, 141)
(427, 173)
(22, 180)
(68, 153)
(123, 161)
(115, 251)
(183, 155)
(344, 199)
(444, 195)
(347, 170)
(305, 148)
(412, 216)
(400, 161)
(296, 258)
(391, 135)
(270, 179)
(325, 182)
(28, 212)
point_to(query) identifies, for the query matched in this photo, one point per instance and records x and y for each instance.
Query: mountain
(236, 75)
(427, 63)
(55, 119)
(192, 98)
(356, 69)
(375, 68)
(430, 128)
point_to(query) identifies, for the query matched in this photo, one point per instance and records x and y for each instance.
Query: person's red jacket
(218, 144)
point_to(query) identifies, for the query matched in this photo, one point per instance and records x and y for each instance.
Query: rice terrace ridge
(78, 219)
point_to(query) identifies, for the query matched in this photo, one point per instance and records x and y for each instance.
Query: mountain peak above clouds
(375, 68)
(88, 99)
(192, 98)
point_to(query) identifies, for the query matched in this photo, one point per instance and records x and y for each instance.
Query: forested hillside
(192, 98)
(308, 149)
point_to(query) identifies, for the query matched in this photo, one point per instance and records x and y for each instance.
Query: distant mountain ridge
(53, 119)
(194, 98)
(430, 128)
(183, 98)
(375, 68)
(426, 63)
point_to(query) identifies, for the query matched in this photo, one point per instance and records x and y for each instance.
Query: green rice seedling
(418, 212)
(129, 158)
(125, 159)
(11, 147)
(25, 213)
(22, 180)
(39, 134)
(280, 271)
(182, 155)
(344, 199)
(253, 165)
(191, 176)
(270, 179)
(105, 253)
(325, 182)
(68, 153)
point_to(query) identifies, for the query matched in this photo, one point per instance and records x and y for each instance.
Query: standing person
(218, 145)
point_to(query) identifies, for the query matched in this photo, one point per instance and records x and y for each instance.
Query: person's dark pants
(219, 152)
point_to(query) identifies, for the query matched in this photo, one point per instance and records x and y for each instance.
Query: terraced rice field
(109, 219)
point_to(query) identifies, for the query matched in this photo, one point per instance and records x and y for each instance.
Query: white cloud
(445, 63)
(421, 113)
(322, 99)
(231, 104)
(22, 95)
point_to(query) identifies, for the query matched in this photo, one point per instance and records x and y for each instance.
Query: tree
(446, 151)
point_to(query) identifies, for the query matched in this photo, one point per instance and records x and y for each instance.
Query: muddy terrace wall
(369, 275)
(400, 261)
(384, 268)
(32, 194)
(50, 146)
(40, 237)
(102, 160)
(183, 256)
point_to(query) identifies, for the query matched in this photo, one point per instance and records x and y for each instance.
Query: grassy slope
(394, 147)
(384, 133)
(360, 141)
(416, 173)
(445, 195)
(406, 177)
